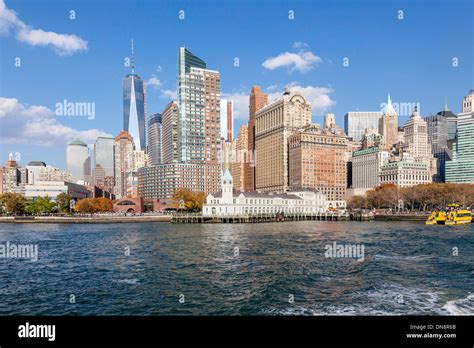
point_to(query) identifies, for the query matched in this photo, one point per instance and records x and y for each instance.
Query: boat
(459, 217)
(437, 218)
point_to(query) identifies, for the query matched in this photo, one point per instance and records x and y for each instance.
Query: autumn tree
(13, 203)
(192, 200)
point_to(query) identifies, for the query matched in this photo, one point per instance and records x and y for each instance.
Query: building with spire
(134, 106)
(388, 125)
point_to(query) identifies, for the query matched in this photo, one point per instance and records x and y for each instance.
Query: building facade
(170, 134)
(405, 173)
(78, 160)
(240, 150)
(274, 125)
(388, 125)
(356, 122)
(154, 137)
(229, 203)
(366, 167)
(438, 134)
(124, 148)
(257, 100)
(317, 160)
(461, 168)
(104, 154)
(227, 120)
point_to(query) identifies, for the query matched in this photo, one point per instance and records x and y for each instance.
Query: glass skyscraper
(154, 131)
(104, 154)
(134, 107)
(461, 168)
(356, 122)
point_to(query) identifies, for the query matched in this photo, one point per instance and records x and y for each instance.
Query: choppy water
(409, 268)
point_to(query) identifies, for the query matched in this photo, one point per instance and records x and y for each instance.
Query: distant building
(366, 167)
(104, 154)
(240, 150)
(388, 125)
(170, 134)
(229, 203)
(468, 102)
(257, 100)
(52, 189)
(155, 137)
(317, 160)
(227, 120)
(405, 173)
(124, 148)
(356, 122)
(11, 176)
(39, 171)
(461, 168)
(438, 134)
(134, 106)
(78, 160)
(274, 125)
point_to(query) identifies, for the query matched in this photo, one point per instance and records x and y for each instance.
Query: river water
(238, 269)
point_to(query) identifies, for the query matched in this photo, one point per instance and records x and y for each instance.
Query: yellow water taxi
(459, 217)
(437, 218)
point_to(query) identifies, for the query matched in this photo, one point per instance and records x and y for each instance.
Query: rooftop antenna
(133, 60)
(446, 103)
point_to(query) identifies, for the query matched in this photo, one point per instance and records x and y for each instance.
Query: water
(409, 268)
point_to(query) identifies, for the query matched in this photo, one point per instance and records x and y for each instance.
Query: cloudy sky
(343, 55)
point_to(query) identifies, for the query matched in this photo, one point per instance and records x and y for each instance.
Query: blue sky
(82, 60)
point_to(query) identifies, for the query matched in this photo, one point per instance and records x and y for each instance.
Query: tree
(63, 200)
(94, 205)
(192, 200)
(13, 203)
(357, 202)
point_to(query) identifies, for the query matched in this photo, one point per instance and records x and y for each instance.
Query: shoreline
(83, 220)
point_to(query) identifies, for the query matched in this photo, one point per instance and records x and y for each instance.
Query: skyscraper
(388, 125)
(239, 149)
(257, 101)
(170, 134)
(191, 104)
(227, 119)
(104, 154)
(461, 168)
(134, 106)
(274, 124)
(78, 161)
(154, 135)
(124, 147)
(356, 122)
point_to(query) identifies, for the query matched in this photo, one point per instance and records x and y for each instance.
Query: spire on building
(445, 104)
(133, 59)
(389, 110)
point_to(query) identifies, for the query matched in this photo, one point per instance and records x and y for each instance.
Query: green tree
(62, 201)
(13, 203)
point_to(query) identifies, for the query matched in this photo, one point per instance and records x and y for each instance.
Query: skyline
(298, 58)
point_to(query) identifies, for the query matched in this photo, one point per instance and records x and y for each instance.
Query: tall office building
(199, 121)
(227, 120)
(78, 161)
(134, 106)
(317, 160)
(257, 100)
(438, 135)
(356, 122)
(388, 125)
(170, 134)
(124, 148)
(191, 99)
(273, 125)
(104, 154)
(154, 136)
(239, 150)
(461, 168)
(452, 121)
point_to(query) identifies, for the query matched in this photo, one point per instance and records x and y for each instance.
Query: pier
(191, 218)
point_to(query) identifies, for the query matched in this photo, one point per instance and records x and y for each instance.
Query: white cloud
(37, 125)
(63, 44)
(168, 93)
(154, 82)
(301, 61)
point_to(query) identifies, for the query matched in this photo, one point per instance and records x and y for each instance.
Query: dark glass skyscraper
(134, 107)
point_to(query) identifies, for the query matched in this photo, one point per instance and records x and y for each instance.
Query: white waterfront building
(233, 203)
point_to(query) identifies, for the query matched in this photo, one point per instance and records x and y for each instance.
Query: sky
(344, 55)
